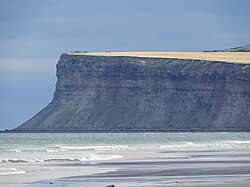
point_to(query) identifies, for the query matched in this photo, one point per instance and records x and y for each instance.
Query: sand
(233, 57)
(188, 167)
(45, 172)
(147, 159)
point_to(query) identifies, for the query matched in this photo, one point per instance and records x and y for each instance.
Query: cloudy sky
(34, 34)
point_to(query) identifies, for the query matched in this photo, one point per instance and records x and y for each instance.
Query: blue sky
(34, 34)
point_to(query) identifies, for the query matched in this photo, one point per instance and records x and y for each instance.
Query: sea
(89, 147)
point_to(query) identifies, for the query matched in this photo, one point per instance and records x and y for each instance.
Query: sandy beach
(165, 162)
(142, 168)
(226, 168)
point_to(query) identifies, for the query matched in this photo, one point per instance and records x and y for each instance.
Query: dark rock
(127, 94)
(245, 48)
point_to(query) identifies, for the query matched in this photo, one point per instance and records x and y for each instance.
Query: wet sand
(168, 168)
(125, 160)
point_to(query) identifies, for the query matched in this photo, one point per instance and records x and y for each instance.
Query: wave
(20, 160)
(70, 148)
(189, 143)
(51, 151)
(240, 142)
(16, 150)
(35, 150)
(91, 157)
(96, 148)
(80, 152)
(38, 160)
(8, 171)
(95, 157)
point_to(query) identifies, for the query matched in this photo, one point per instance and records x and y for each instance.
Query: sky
(33, 35)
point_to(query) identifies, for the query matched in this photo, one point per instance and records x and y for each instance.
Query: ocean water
(93, 147)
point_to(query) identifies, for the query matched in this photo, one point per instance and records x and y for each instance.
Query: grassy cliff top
(233, 57)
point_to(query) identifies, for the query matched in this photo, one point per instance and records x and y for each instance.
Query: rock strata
(128, 94)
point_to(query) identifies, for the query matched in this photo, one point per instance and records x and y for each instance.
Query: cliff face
(98, 93)
(245, 48)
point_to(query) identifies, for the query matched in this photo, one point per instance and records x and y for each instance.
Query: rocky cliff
(245, 48)
(119, 93)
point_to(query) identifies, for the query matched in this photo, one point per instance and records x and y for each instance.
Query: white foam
(16, 150)
(14, 160)
(88, 157)
(189, 143)
(28, 150)
(10, 171)
(95, 157)
(51, 151)
(240, 142)
(97, 148)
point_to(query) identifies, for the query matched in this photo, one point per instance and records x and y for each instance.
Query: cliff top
(233, 57)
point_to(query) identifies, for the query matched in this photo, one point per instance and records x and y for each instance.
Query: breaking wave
(10, 171)
(91, 157)
(96, 148)
(95, 157)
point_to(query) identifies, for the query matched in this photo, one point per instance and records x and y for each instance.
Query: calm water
(33, 140)
(36, 147)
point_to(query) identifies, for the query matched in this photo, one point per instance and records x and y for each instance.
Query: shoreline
(120, 132)
(129, 160)
(211, 170)
(187, 167)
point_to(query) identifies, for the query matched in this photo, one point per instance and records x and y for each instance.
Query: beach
(128, 159)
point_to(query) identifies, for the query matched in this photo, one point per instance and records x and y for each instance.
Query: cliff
(245, 48)
(96, 93)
